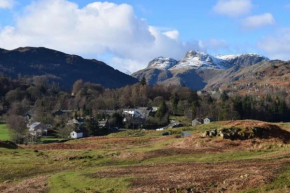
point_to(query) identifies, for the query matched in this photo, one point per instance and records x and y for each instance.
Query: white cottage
(208, 120)
(76, 134)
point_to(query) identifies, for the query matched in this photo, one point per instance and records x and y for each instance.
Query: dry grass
(150, 163)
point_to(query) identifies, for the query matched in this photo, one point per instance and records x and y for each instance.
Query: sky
(127, 34)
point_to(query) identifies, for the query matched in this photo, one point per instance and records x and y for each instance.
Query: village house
(76, 134)
(197, 121)
(79, 133)
(141, 112)
(76, 121)
(104, 123)
(136, 116)
(139, 115)
(208, 120)
(38, 129)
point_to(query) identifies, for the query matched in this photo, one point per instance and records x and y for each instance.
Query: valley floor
(146, 161)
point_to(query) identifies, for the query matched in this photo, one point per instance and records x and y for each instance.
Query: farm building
(208, 120)
(197, 121)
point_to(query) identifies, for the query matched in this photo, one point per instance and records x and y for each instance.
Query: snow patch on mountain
(162, 63)
(200, 60)
(233, 57)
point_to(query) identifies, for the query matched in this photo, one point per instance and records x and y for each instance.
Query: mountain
(60, 67)
(162, 63)
(200, 60)
(242, 60)
(196, 70)
(260, 79)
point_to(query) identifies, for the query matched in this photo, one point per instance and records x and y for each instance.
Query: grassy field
(4, 132)
(146, 161)
(50, 140)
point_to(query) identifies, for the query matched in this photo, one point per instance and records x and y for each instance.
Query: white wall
(75, 135)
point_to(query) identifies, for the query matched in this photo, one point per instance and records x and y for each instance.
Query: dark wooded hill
(60, 67)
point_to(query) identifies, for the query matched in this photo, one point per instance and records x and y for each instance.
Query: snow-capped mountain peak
(162, 63)
(201, 60)
(242, 59)
(232, 57)
(198, 60)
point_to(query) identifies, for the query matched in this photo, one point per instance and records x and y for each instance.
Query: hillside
(196, 70)
(60, 67)
(146, 161)
(260, 79)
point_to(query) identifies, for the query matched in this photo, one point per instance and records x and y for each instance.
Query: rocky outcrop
(255, 131)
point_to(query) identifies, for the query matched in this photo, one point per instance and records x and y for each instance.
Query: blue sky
(127, 34)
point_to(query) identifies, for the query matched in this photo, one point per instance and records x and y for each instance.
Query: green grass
(50, 139)
(182, 119)
(85, 182)
(4, 133)
(203, 128)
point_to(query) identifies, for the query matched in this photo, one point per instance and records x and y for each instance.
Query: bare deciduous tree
(77, 86)
(17, 125)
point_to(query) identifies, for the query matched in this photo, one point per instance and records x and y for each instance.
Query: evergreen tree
(162, 110)
(195, 105)
(143, 81)
(92, 126)
(174, 103)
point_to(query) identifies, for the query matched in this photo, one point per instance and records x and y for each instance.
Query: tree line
(42, 98)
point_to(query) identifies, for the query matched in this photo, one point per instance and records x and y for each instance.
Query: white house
(208, 120)
(131, 112)
(78, 121)
(76, 134)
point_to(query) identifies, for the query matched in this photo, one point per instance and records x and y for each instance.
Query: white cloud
(287, 6)
(172, 34)
(277, 46)
(233, 8)
(6, 4)
(258, 21)
(94, 30)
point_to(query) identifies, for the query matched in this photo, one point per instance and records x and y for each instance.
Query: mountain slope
(242, 60)
(261, 79)
(60, 67)
(196, 70)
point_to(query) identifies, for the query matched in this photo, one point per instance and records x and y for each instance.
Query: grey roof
(198, 119)
(35, 124)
